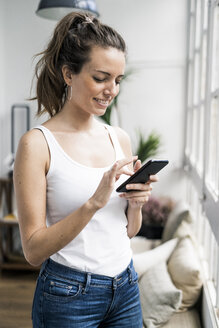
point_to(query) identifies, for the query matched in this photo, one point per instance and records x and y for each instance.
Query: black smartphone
(142, 175)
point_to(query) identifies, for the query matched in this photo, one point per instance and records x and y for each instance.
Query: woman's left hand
(140, 191)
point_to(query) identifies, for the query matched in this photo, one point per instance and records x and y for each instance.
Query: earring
(69, 98)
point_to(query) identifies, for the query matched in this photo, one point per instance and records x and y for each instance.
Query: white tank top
(103, 246)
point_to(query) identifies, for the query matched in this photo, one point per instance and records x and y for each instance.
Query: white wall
(25, 34)
(152, 99)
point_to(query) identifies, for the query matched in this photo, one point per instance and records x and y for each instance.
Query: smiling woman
(66, 173)
(98, 82)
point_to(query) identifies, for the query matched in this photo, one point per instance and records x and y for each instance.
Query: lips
(102, 102)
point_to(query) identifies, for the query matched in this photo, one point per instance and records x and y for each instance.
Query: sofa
(170, 274)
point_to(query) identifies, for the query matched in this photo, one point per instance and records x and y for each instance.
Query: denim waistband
(88, 278)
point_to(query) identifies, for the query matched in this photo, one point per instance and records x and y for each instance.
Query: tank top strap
(115, 141)
(50, 139)
(52, 146)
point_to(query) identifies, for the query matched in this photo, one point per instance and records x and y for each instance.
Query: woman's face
(97, 84)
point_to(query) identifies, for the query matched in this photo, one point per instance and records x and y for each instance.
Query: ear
(67, 74)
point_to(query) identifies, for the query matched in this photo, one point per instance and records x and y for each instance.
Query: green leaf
(107, 116)
(149, 147)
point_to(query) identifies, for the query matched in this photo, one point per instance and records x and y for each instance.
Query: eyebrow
(97, 70)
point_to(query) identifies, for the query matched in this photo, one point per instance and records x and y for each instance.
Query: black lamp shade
(56, 9)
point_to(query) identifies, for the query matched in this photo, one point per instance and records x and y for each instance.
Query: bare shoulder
(33, 147)
(124, 140)
(31, 139)
(122, 135)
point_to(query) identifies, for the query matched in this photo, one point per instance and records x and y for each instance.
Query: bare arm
(31, 165)
(137, 198)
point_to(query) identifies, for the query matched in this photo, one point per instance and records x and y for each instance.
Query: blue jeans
(67, 298)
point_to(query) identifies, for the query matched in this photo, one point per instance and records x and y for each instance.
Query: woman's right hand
(106, 186)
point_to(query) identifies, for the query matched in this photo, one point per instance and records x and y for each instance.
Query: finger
(139, 194)
(113, 171)
(137, 165)
(139, 200)
(125, 161)
(153, 178)
(126, 171)
(139, 186)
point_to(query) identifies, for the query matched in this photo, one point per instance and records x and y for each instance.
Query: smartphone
(142, 175)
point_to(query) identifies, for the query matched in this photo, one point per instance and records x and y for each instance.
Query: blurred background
(169, 106)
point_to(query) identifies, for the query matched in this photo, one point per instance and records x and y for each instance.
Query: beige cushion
(185, 229)
(143, 261)
(185, 271)
(159, 297)
(188, 319)
(141, 244)
(179, 213)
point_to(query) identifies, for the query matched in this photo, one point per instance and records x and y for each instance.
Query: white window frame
(204, 187)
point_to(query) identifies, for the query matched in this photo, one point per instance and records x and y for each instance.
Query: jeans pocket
(61, 290)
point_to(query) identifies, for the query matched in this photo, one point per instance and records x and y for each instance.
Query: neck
(76, 119)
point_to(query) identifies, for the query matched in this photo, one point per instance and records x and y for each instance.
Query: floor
(16, 294)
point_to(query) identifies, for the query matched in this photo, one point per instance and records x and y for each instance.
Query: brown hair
(71, 43)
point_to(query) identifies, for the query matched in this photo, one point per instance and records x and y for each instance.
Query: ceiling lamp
(56, 9)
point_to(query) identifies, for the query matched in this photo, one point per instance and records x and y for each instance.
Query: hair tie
(88, 20)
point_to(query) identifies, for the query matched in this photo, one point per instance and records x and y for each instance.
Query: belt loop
(115, 282)
(130, 274)
(43, 266)
(87, 283)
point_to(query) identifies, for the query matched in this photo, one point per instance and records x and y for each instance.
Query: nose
(111, 89)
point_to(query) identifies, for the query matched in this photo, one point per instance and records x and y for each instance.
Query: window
(202, 132)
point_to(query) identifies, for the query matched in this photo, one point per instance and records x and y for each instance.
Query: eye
(98, 80)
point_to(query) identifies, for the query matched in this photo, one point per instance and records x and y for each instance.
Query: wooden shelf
(8, 222)
(8, 260)
(17, 266)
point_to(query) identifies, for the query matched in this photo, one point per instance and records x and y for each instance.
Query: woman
(66, 172)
